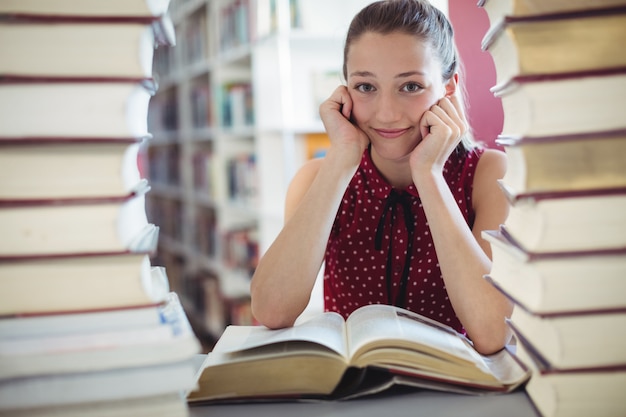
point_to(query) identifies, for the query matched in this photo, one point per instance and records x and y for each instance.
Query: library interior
(146, 150)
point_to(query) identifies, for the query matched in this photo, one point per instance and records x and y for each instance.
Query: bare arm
(464, 257)
(282, 283)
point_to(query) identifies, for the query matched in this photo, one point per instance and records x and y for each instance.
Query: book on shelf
(75, 226)
(586, 41)
(74, 108)
(548, 283)
(327, 357)
(71, 48)
(313, 17)
(586, 161)
(88, 349)
(567, 221)
(201, 106)
(564, 104)
(76, 283)
(235, 24)
(71, 168)
(241, 178)
(572, 340)
(574, 392)
(264, 19)
(133, 9)
(164, 164)
(236, 105)
(163, 114)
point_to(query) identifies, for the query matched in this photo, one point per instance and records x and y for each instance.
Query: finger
(452, 116)
(456, 102)
(430, 122)
(448, 106)
(445, 127)
(445, 115)
(454, 108)
(343, 100)
(334, 103)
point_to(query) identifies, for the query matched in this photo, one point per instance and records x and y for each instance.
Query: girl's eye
(365, 88)
(412, 87)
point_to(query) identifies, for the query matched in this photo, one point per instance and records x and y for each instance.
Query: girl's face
(393, 79)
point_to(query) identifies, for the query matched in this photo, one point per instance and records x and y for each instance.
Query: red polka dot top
(380, 250)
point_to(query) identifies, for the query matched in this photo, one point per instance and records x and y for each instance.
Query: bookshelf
(235, 115)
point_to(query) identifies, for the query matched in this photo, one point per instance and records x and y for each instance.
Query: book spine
(509, 140)
(504, 88)
(536, 256)
(75, 201)
(49, 18)
(499, 27)
(561, 194)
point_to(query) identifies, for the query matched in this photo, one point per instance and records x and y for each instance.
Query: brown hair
(414, 17)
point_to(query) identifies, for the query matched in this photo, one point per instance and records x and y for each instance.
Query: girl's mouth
(391, 133)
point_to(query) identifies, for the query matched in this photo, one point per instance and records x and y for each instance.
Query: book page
(326, 329)
(504, 366)
(386, 325)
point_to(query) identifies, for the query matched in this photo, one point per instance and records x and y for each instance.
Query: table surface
(414, 404)
(400, 402)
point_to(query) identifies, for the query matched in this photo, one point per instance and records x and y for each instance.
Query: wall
(485, 111)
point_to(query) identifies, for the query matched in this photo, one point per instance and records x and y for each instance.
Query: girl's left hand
(442, 127)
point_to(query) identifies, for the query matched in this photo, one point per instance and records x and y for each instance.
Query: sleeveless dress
(380, 250)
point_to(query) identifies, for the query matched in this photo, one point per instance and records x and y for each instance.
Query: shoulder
(492, 164)
(306, 174)
(490, 168)
(300, 184)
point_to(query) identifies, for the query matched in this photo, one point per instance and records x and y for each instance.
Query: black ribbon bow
(393, 200)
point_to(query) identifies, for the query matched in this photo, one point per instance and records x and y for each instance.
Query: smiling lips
(391, 133)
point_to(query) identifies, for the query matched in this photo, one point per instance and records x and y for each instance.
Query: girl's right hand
(343, 133)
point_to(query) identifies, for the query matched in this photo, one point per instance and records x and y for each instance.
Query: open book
(326, 357)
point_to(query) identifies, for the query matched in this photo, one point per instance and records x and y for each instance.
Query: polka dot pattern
(355, 272)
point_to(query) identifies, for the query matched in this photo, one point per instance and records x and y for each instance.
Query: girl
(396, 207)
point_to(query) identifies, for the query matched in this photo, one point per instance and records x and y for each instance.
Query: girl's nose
(388, 109)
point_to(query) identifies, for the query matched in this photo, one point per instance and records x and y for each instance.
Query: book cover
(121, 9)
(89, 387)
(563, 104)
(568, 221)
(577, 162)
(71, 168)
(77, 283)
(169, 340)
(69, 48)
(500, 10)
(73, 108)
(573, 393)
(557, 282)
(75, 226)
(570, 341)
(586, 42)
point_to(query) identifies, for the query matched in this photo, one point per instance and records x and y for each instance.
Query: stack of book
(88, 327)
(561, 253)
